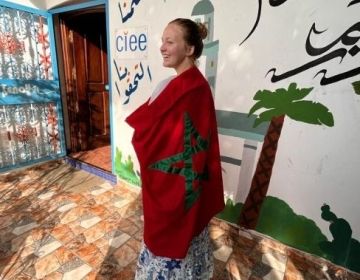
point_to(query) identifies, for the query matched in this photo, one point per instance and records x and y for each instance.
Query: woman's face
(174, 50)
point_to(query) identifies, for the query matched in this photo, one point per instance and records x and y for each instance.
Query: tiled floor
(57, 222)
(60, 223)
(99, 157)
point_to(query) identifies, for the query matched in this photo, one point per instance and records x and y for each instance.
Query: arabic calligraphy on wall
(347, 46)
(129, 77)
(126, 10)
(131, 49)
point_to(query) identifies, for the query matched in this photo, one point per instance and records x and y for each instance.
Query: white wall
(314, 164)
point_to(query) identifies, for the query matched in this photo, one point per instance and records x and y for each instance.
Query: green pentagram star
(167, 165)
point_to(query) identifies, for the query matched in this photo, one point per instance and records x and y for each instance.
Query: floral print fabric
(197, 265)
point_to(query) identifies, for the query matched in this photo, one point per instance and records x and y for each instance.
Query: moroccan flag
(176, 142)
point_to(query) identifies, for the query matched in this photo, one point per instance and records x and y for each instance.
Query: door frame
(68, 8)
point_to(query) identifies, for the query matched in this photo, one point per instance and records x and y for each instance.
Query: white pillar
(246, 170)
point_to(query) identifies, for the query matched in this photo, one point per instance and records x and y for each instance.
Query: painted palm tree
(278, 104)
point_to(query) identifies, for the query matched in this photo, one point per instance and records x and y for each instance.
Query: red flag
(176, 142)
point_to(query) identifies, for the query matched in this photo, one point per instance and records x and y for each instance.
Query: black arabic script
(348, 39)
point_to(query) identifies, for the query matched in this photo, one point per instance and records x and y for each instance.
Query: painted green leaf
(125, 170)
(258, 105)
(298, 94)
(289, 102)
(267, 116)
(260, 94)
(310, 112)
(356, 86)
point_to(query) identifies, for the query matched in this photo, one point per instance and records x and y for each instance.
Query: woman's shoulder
(160, 87)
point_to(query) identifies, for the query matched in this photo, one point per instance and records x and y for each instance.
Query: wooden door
(86, 76)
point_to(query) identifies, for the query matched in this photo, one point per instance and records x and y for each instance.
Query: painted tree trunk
(260, 183)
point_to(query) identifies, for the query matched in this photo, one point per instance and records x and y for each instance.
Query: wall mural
(131, 50)
(293, 229)
(132, 70)
(126, 9)
(343, 249)
(278, 104)
(346, 39)
(129, 77)
(356, 86)
(125, 169)
(203, 12)
(258, 210)
(249, 205)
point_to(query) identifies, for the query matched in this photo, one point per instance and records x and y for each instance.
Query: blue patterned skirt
(197, 265)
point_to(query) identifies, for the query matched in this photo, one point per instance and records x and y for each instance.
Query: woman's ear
(190, 50)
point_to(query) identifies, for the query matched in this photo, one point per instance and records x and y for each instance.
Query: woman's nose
(162, 47)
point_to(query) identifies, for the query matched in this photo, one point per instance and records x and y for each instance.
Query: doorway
(85, 85)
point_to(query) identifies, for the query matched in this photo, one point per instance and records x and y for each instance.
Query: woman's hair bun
(203, 31)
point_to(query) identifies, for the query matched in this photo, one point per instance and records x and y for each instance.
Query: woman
(175, 139)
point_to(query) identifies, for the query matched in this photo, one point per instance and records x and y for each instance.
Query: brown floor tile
(125, 255)
(46, 265)
(99, 210)
(64, 255)
(63, 233)
(134, 244)
(94, 233)
(91, 254)
(76, 228)
(126, 273)
(54, 276)
(127, 226)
